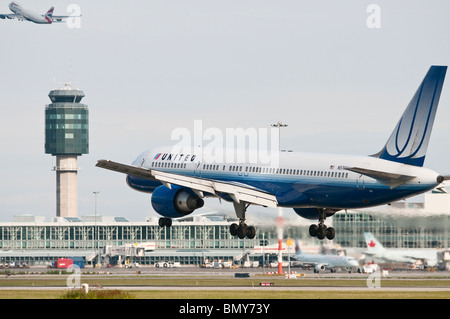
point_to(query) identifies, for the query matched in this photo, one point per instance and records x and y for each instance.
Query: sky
(149, 67)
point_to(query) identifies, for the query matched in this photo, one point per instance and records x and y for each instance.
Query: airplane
(322, 261)
(404, 255)
(23, 14)
(316, 186)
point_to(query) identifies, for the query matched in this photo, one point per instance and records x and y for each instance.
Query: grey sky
(148, 67)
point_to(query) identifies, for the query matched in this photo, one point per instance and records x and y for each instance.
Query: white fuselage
(299, 179)
(29, 15)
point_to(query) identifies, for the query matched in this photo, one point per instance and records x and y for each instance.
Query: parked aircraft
(325, 261)
(408, 255)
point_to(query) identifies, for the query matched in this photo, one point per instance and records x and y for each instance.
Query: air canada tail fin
(298, 250)
(408, 142)
(373, 245)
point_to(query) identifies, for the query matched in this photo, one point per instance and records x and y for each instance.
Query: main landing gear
(242, 230)
(165, 222)
(321, 230)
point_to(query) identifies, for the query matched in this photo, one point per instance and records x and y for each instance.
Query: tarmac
(375, 281)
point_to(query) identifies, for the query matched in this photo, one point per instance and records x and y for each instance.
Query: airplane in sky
(403, 255)
(315, 185)
(322, 262)
(23, 14)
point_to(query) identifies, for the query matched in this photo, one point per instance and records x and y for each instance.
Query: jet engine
(175, 202)
(318, 268)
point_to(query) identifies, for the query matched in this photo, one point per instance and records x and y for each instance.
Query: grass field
(221, 282)
(242, 295)
(242, 286)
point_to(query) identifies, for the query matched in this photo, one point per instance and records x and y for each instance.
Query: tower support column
(66, 186)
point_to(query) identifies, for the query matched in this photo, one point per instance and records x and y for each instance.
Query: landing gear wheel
(242, 231)
(234, 229)
(330, 233)
(313, 230)
(165, 222)
(251, 232)
(321, 231)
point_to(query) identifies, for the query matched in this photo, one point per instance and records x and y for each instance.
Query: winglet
(408, 142)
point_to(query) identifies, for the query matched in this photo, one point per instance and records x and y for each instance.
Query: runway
(240, 288)
(191, 279)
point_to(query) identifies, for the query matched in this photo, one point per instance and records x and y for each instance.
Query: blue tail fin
(408, 142)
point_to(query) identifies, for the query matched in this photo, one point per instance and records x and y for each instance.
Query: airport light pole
(279, 125)
(95, 225)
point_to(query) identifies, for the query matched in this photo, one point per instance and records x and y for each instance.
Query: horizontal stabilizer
(391, 179)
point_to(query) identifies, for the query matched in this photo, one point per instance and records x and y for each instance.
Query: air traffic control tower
(66, 137)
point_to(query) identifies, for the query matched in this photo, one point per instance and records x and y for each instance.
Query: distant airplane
(322, 261)
(316, 186)
(404, 255)
(23, 14)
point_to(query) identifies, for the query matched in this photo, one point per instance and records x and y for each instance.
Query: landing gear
(242, 230)
(165, 222)
(321, 230)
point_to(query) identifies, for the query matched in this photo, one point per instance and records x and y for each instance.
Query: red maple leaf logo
(371, 244)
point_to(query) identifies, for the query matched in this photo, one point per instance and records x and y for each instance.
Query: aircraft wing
(62, 18)
(391, 179)
(238, 192)
(9, 16)
(59, 18)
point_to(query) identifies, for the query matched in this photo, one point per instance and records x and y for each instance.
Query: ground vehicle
(67, 262)
(167, 264)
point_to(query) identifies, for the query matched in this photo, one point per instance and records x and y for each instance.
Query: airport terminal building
(192, 240)
(33, 240)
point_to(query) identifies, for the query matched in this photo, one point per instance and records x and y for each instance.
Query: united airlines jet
(316, 186)
(22, 14)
